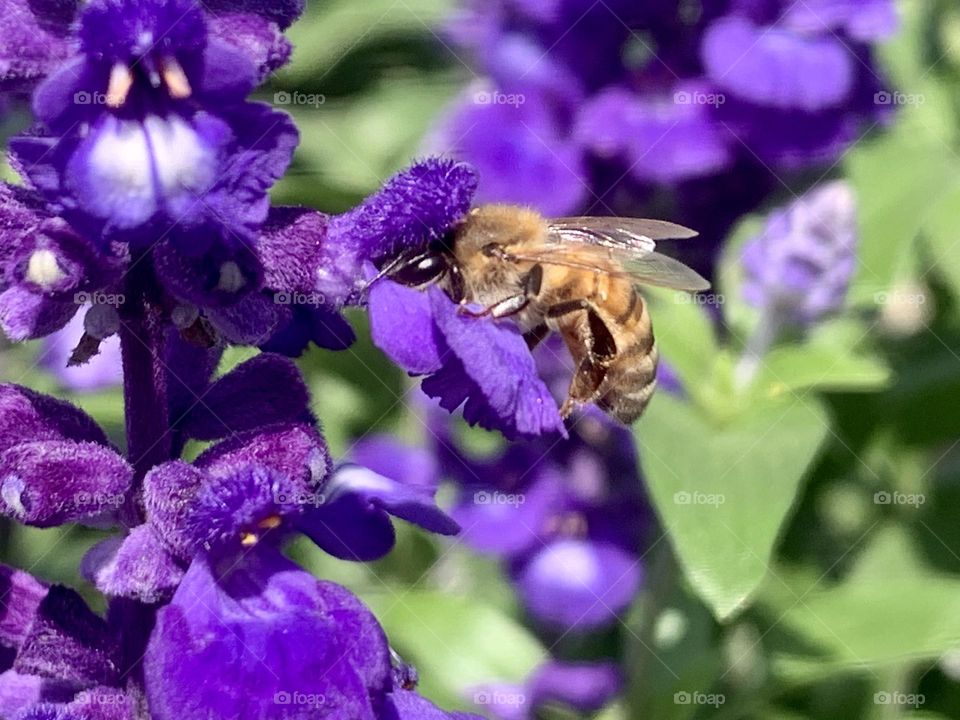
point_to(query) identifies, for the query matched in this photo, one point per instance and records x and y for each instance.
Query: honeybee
(576, 276)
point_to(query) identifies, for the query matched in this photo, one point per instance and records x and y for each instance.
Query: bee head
(433, 265)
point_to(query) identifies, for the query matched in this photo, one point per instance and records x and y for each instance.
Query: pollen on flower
(121, 80)
(43, 269)
(175, 78)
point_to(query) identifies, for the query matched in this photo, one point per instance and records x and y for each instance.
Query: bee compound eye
(420, 271)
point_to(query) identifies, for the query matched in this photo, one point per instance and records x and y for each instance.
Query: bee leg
(504, 308)
(585, 386)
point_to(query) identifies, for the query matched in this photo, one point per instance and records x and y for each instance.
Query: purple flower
(146, 133)
(585, 687)
(800, 266)
(627, 108)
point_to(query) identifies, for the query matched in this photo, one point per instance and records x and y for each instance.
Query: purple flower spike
(801, 265)
(579, 585)
(265, 639)
(478, 363)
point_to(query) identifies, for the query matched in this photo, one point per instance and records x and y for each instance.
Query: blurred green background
(829, 595)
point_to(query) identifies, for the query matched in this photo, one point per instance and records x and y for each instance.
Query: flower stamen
(175, 78)
(121, 80)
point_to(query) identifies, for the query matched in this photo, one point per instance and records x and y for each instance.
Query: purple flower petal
(409, 465)
(67, 641)
(18, 692)
(26, 415)
(864, 20)
(264, 639)
(34, 42)
(520, 154)
(168, 494)
(264, 390)
(492, 371)
(50, 482)
(25, 315)
(21, 594)
(255, 37)
(579, 585)
(137, 567)
(777, 68)
(402, 325)
(415, 206)
(586, 688)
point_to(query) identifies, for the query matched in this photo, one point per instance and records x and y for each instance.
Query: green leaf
(724, 488)
(456, 643)
(890, 610)
(898, 180)
(829, 360)
(942, 230)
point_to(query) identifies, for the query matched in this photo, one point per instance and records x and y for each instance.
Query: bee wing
(629, 233)
(622, 247)
(649, 268)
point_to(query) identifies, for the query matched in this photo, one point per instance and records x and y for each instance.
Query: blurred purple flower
(101, 371)
(604, 107)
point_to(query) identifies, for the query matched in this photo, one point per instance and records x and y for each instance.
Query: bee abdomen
(632, 377)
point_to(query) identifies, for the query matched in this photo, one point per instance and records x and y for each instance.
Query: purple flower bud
(799, 268)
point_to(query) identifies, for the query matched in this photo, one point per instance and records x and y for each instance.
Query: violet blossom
(696, 110)
(147, 175)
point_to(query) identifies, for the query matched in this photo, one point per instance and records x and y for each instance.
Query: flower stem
(142, 331)
(759, 342)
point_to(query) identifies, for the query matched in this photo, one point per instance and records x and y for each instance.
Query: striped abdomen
(631, 375)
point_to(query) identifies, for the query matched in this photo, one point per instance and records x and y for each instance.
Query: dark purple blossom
(626, 108)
